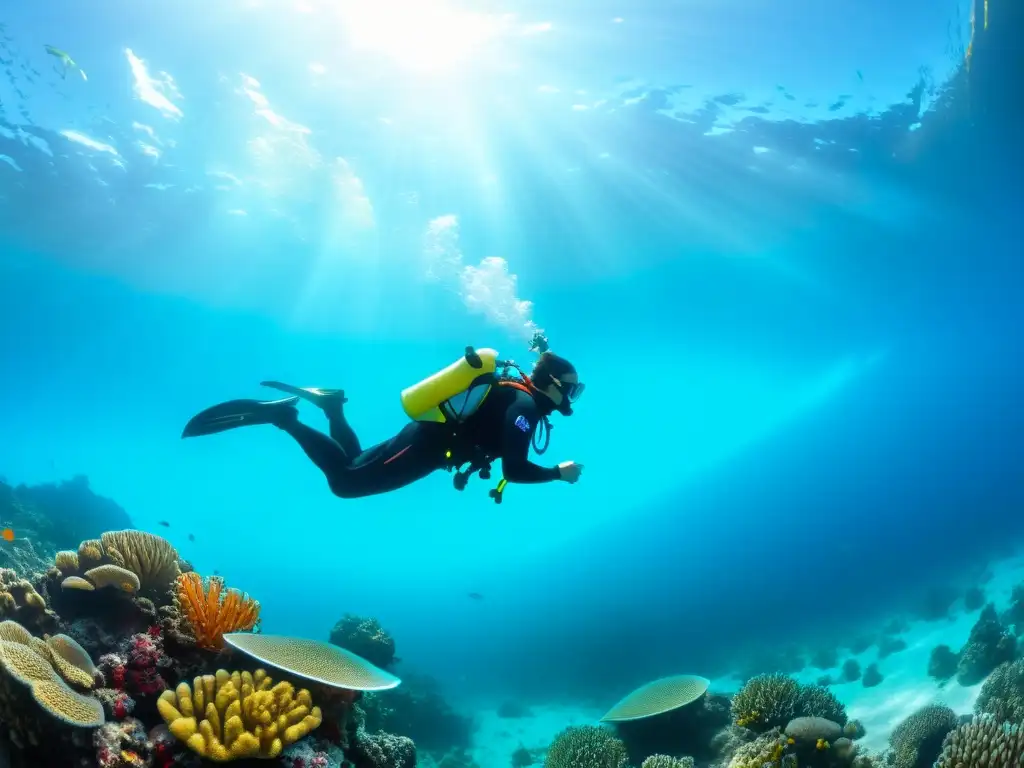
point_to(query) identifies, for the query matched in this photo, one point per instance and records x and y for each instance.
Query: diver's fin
(238, 413)
(318, 396)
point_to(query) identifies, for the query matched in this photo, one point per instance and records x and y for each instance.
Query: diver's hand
(569, 471)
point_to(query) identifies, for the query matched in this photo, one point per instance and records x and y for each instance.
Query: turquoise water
(755, 232)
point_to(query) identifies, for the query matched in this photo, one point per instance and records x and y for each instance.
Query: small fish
(164, 523)
(191, 537)
(7, 534)
(216, 572)
(66, 62)
(474, 596)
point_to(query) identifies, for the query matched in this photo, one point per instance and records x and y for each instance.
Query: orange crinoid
(211, 610)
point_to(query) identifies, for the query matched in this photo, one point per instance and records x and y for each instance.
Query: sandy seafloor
(905, 688)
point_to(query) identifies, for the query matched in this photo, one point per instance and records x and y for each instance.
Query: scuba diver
(473, 412)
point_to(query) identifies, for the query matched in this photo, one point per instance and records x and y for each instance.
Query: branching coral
(211, 611)
(983, 743)
(819, 701)
(916, 742)
(586, 746)
(766, 701)
(766, 749)
(226, 716)
(664, 761)
(1002, 695)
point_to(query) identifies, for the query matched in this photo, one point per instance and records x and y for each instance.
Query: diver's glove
(569, 471)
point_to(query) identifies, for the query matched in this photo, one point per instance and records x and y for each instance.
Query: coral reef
(1013, 616)
(917, 741)
(664, 761)
(229, 716)
(210, 611)
(766, 701)
(383, 750)
(1002, 695)
(586, 746)
(418, 709)
(58, 515)
(771, 701)
(988, 646)
(818, 701)
(974, 598)
(983, 743)
(890, 645)
(872, 676)
(943, 663)
(364, 637)
(20, 602)
(825, 657)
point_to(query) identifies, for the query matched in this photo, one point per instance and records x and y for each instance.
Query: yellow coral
(77, 582)
(90, 554)
(114, 576)
(213, 611)
(767, 750)
(66, 562)
(26, 666)
(232, 716)
(152, 558)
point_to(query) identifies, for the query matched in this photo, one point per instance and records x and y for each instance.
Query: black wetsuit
(502, 428)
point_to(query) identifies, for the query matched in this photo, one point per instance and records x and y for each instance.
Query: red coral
(121, 708)
(154, 631)
(117, 677)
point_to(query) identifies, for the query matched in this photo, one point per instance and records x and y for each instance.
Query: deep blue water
(781, 247)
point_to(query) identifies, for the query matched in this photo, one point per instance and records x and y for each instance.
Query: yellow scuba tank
(454, 393)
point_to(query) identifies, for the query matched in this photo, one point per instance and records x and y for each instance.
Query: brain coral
(586, 746)
(766, 701)
(983, 743)
(917, 741)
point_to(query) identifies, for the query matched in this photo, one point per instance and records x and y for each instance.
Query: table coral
(211, 611)
(229, 716)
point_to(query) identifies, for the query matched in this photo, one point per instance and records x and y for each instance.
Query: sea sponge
(114, 576)
(66, 562)
(213, 611)
(1002, 695)
(766, 749)
(27, 667)
(819, 701)
(983, 743)
(766, 701)
(664, 761)
(226, 716)
(917, 741)
(147, 555)
(586, 746)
